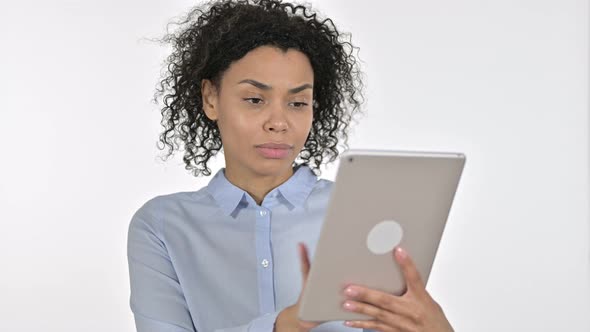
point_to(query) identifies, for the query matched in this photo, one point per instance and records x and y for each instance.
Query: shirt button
(263, 213)
(265, 263)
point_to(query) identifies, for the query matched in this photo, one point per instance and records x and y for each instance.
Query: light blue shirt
(215, 260)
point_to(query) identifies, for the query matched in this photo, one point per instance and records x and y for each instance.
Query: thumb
(409, 270)
(304, 261)
(305, 266)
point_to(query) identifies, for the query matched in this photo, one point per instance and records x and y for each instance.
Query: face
(263, 109)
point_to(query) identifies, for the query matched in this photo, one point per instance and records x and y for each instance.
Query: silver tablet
(380, 199)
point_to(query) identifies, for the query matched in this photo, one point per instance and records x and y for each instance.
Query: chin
(268, 166)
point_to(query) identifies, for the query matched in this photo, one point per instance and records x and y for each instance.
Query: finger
(374, 325)
(304, 259)
(370, 325)
(406, 322)
(386, 301)
(380, 315)
(411, 275)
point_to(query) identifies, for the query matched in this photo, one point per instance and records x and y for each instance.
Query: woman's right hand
(287, 320)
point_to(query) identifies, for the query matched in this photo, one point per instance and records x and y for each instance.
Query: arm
(157, 300)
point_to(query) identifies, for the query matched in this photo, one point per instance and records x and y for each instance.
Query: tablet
(380, 199)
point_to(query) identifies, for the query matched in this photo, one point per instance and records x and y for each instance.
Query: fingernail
(401, 253)
(351, 291)
(348, 305)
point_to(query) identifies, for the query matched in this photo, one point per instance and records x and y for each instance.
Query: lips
(274, 146)
(274, 150)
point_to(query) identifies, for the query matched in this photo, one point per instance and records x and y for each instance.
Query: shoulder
(320, 194)
(322, 186)
(156, 210)
(164, 202)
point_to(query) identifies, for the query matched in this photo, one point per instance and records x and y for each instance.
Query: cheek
(308, 122)
(236, 128)
(303, 128)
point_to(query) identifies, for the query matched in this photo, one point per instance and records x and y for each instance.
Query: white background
(504, 81)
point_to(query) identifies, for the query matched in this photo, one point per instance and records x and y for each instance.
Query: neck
(257, 185)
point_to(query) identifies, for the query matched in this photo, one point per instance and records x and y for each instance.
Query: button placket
(266, 290)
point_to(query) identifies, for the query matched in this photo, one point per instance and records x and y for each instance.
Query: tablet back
(379, 199)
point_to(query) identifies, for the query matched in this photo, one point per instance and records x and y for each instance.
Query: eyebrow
(263, 86)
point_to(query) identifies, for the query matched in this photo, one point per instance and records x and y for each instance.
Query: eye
(299, 104)
(255, 101)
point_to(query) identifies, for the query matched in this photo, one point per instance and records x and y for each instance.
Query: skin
(248, 114)
(413, 311)
(266, 96)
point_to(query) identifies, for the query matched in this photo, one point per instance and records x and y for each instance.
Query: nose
(276, 121)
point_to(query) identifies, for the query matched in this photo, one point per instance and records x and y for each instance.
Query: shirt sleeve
(264, 323)
(157, 300)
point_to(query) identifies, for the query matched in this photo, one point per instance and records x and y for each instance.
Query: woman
(270, 83)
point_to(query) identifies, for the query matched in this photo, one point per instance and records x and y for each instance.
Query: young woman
(271, 83)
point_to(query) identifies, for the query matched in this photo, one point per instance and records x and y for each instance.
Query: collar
(295, 190)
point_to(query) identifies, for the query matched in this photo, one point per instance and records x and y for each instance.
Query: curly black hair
(217, 33)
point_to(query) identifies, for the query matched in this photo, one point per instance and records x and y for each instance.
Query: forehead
(272, 66)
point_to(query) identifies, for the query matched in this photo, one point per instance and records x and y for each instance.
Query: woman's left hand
(413, 311)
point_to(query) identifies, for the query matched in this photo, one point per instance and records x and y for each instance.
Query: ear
(209, 95)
